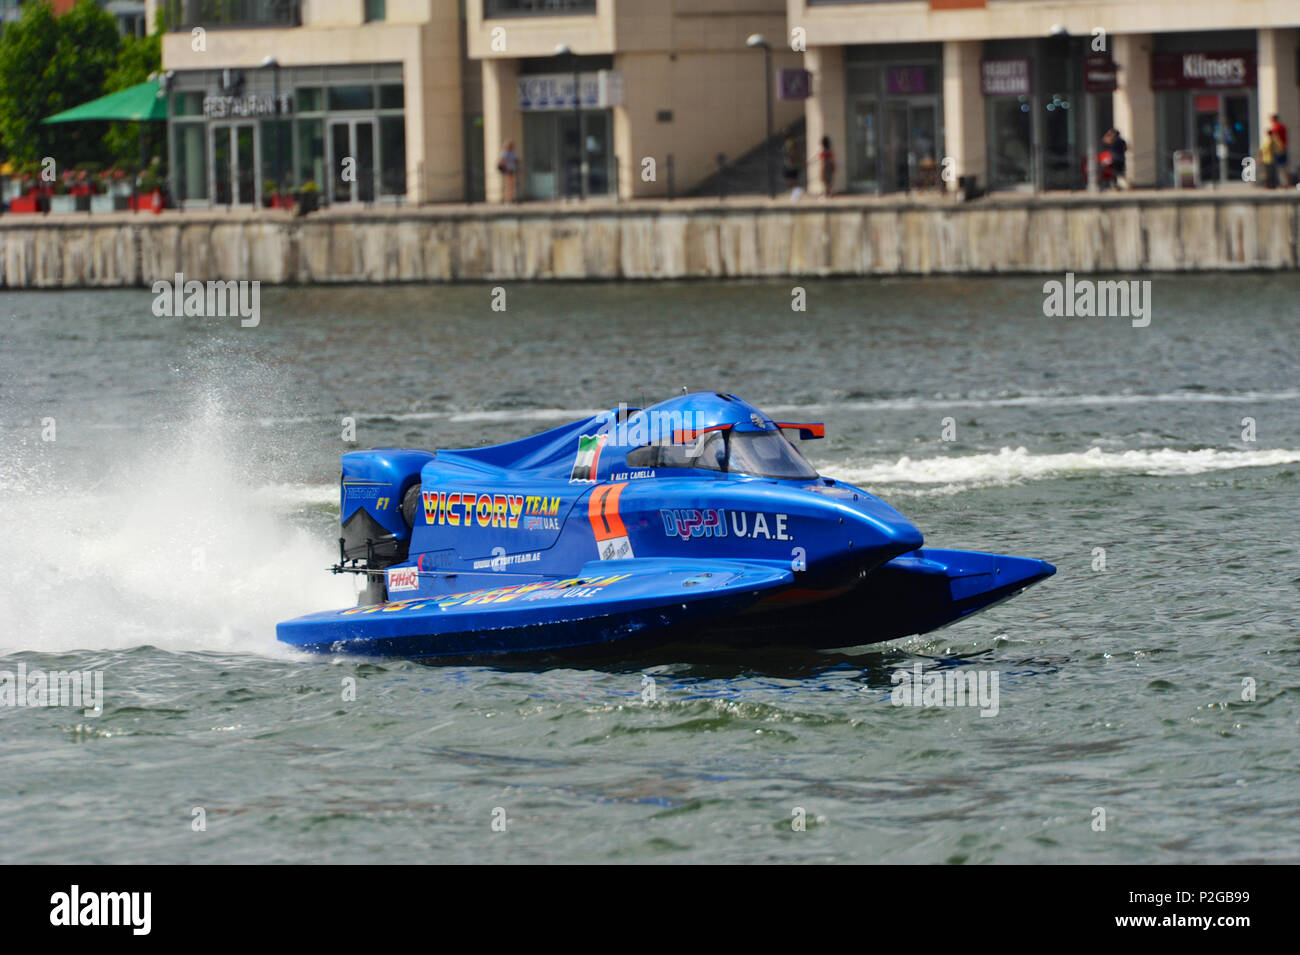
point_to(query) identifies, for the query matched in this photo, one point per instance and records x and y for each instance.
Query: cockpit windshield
(766, 454)
(758, 453)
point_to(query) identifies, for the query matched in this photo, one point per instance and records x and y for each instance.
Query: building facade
(1017, 93)
(361, 97)
(665, 89)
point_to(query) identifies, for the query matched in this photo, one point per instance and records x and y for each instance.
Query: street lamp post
(757, 40)
(563, 50)
(274, 64)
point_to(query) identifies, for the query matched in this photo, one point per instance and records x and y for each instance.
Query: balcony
(537, 8)
(185, 15)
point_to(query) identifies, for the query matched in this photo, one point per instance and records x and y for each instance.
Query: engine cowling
(376, 510)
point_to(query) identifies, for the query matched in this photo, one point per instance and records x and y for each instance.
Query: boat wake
(1017, 465)
(164, 538)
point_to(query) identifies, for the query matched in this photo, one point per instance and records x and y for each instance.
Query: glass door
(923, 146)
(352, 160)
(896, 165)
(864, 158)
(539, 152)
(235, 149)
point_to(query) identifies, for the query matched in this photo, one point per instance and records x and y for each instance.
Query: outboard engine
(379, 494)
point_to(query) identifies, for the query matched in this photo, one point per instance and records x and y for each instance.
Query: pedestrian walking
(1113, 143)
(1280, 157)
(508, 166)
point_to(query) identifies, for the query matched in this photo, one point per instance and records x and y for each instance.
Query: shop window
(187, 104)
(307, 99)
(310, 135)
(392, 152)
(1010, 128)
(277, 154)
(392, 96)
(189, 160)
(351, 97)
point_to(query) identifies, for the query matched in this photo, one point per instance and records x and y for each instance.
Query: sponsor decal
(688, 523)
(503, 561)
(587, 460)
(403, 578)
(471, 509)
(568, 588)
(612, 542)
(692, 522)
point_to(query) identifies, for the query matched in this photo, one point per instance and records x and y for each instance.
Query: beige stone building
(1018, 92)
(666, 87)
(362, 97)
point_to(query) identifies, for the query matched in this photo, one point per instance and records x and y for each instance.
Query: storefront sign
(793, 84)
(224, 107)
(1200, 71)
(554, 91)
(1005, 78)
(1100, 73)
(901, 80)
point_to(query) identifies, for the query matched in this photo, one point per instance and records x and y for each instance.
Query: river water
(187, 503)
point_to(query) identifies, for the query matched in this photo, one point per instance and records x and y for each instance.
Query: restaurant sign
(1005, 78)
(540, 92)
(241, 107)
(1200, 71)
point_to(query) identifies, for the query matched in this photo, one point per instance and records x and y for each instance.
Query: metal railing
(535, 8)
(185, 15)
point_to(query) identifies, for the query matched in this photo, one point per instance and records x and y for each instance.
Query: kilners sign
(1200, 71)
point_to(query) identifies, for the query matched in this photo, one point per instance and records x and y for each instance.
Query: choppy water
(187, 504)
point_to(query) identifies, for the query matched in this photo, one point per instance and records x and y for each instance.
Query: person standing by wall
(1277, 130)
(1268, 153)
(508, 166)
(1113, 143)
(826, 156)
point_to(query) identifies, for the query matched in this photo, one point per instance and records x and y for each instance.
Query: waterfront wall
(1161, 232)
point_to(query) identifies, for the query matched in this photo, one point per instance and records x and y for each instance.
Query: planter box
(28, 203)
(120, 187)
(109, 203)
(147, 202)
(281, 201)
(69, 203)
(307, 202)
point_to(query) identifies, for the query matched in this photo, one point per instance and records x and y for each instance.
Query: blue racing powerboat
(696, 514)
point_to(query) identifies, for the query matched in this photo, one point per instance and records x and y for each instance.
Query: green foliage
(49, 64)
(137, 58)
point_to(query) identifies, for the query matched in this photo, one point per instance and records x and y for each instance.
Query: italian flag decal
(588, 458)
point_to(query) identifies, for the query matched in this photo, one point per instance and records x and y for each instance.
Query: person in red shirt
(1278, 131)
(826, 156)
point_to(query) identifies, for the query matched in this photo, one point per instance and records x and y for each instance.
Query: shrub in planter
(308, 197)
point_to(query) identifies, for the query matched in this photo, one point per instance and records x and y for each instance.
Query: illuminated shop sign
(1199, 71)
